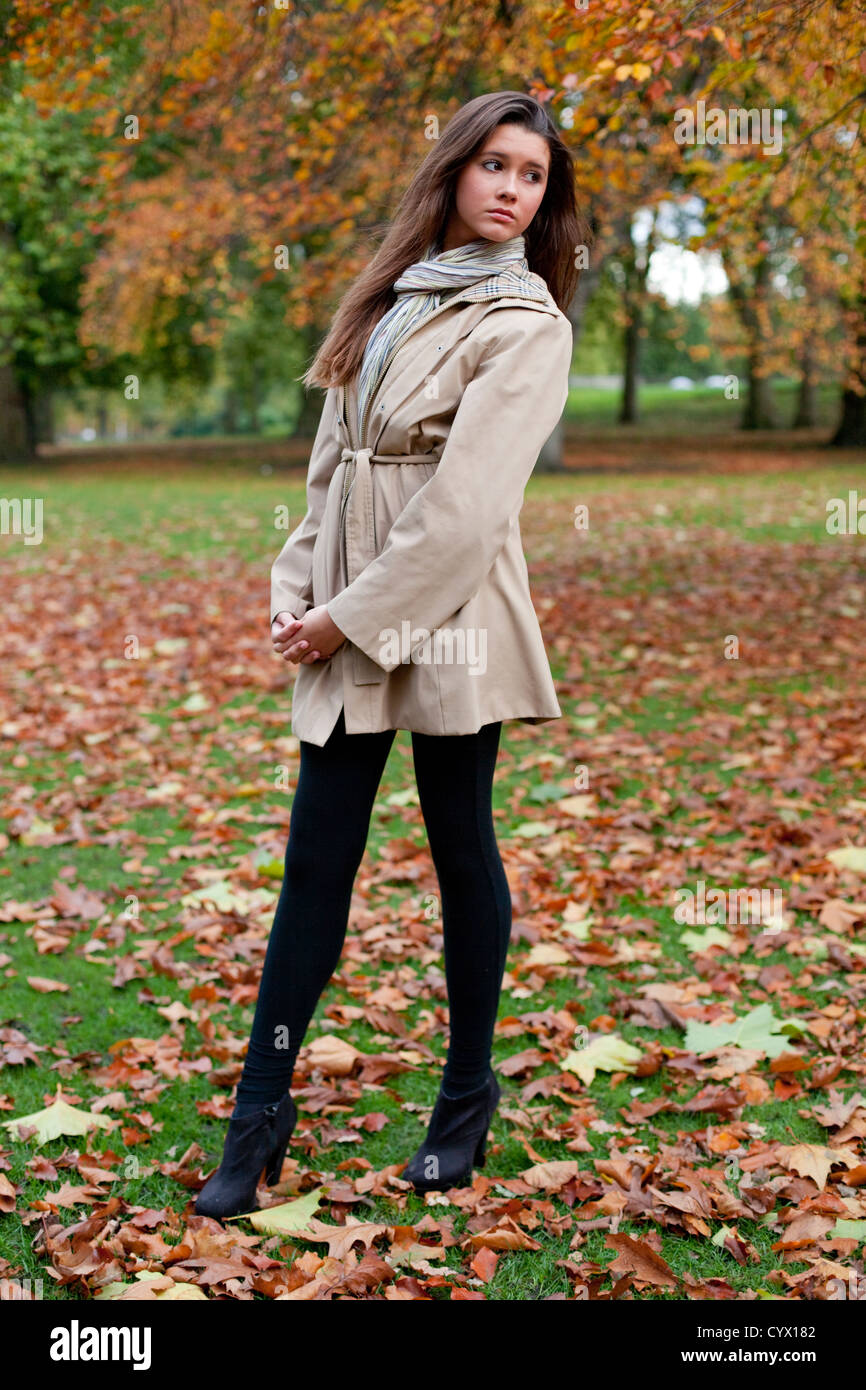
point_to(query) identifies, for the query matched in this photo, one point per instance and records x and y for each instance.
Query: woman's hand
(312, 638)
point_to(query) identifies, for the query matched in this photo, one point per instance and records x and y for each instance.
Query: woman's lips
(501, 216)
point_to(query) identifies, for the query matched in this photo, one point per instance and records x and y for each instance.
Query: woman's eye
(534, 172)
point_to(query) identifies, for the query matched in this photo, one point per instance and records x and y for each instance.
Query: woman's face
(508, 173)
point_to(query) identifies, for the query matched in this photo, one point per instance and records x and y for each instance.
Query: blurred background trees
(186, 191)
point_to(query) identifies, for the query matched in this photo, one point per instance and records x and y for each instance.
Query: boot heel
(449, 1138)
(253, 1142)
(275, 1167)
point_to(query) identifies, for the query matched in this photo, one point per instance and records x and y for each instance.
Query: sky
(681, 276)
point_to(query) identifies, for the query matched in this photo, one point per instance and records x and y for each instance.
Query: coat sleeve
(292, 571)
(448, 535)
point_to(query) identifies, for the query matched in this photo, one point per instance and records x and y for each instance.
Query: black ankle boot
(253, 1142)
(456, 1139)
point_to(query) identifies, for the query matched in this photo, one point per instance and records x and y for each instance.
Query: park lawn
(664, 409)
(152, 772)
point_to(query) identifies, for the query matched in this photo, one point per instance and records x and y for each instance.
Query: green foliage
(46, 239)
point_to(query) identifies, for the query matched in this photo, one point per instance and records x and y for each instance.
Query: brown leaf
(636, 1257)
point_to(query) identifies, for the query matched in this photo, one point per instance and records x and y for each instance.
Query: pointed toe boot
(253, 1142)
(456, 1140)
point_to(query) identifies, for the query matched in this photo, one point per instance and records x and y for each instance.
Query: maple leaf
(340, 1239)
(56, 1119)
(849, 857)
(334, 1056)
(605, 1053)
(813, 1160)
(289, 1218)
(757, 1031)
(151, 1285)
(702, 941)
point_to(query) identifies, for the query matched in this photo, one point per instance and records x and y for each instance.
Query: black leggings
(330, 820)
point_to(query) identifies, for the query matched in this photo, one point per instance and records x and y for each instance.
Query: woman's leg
(328, 830)
(454, 773)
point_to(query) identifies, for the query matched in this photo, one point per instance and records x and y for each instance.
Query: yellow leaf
(160, 1285)
(289, 1218)
(605, 1053)
(35, 831)
(180, 1292)
(545, 953)
(579, 930)
(702, 941)
(169, 789)
(584, 807)
(528, 828)
(849, 857)
(222, 896)
(56, 1119)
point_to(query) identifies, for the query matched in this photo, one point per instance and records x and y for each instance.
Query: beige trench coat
(411, 536)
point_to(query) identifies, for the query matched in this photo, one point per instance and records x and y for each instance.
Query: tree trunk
(16, 441)
(635, 264)
(807, 400)
(759, 412)
(851, 430)
(230, 412)
(551, 458)
(312, 397)
(749, 301)
(631, 358)
(43, 417)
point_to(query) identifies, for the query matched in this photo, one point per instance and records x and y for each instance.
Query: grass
(186, 554)
(663, 410)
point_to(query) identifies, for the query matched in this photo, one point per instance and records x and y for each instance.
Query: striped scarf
(419, 291)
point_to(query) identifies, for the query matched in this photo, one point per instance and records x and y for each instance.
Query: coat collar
(515, 284)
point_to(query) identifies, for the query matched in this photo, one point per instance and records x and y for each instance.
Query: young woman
(403, 599)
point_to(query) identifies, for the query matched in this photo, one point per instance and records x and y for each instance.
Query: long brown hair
(552, 238)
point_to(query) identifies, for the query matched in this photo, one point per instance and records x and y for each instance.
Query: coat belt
(358, 530)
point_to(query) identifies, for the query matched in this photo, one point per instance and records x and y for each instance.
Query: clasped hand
(315, 637)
